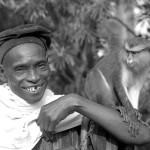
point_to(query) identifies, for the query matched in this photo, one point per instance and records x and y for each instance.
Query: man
(29, 109)
(25, 71)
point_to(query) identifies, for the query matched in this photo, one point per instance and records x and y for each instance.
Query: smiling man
(25, 72)
(24, 63)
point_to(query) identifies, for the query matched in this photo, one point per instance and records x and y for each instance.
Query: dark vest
(66, 140)
(100, 139)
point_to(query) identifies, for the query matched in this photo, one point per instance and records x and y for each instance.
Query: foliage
(77, 28)
(142, 17)
(142, 28)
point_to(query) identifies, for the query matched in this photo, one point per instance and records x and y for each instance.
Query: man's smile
(33, 89)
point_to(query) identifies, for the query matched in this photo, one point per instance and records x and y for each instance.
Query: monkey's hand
(138, 114)
(123, 113)
(134, 126)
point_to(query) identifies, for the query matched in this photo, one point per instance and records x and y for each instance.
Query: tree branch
(121, 22)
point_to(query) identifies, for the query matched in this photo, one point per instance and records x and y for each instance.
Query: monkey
(117, 79)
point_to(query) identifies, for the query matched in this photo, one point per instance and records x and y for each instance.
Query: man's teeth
(34, 89)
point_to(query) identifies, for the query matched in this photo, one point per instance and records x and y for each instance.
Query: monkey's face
(136, 61)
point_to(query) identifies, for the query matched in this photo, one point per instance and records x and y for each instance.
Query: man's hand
(52, 113)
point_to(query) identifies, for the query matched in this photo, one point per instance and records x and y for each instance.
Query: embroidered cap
(29, 33)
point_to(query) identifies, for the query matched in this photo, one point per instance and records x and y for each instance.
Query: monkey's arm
(110, 119)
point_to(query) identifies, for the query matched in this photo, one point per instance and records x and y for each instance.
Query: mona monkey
(117, 79)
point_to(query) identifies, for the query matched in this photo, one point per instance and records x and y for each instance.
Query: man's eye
(42, 66)
(20, 69)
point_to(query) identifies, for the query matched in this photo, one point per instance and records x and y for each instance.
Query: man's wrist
(78, 103)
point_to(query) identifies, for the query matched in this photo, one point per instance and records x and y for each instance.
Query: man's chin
(33, 99)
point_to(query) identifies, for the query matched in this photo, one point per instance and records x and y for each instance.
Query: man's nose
(33, 76)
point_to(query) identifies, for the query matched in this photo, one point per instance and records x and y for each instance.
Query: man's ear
(2, 74)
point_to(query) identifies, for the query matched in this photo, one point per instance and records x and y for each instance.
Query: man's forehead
(25, 53)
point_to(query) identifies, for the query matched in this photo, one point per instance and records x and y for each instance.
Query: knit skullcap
(22, 34)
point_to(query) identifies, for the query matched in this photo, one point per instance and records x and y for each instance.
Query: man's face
(27, 72)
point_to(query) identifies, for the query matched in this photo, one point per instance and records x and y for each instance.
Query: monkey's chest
(131, 86)
(133, 93)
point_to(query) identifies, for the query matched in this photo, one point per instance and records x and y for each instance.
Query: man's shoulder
(3, 89)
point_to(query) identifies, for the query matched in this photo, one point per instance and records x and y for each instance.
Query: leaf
(60, 56)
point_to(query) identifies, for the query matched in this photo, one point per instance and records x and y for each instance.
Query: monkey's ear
(2, 74)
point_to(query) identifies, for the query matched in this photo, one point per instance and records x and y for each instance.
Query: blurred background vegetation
(81, 30)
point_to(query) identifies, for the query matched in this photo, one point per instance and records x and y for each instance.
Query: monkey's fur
(113, 81)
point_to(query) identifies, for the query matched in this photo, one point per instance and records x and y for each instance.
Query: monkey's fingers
(138, 115)
(122, 110)
(124, 114)
(138, 128)
(134, 128)
(131, 128)
(127, 119)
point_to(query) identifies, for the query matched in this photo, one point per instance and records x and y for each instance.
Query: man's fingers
(52, 126)
(45, 136)
(41, 125)
(46, 123)
(51, 135)
(38, 121)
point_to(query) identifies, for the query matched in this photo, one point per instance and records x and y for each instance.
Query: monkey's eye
(132, 52)
(128, 52)
(135, 52)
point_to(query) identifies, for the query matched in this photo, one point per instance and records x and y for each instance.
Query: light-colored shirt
(18, 128)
